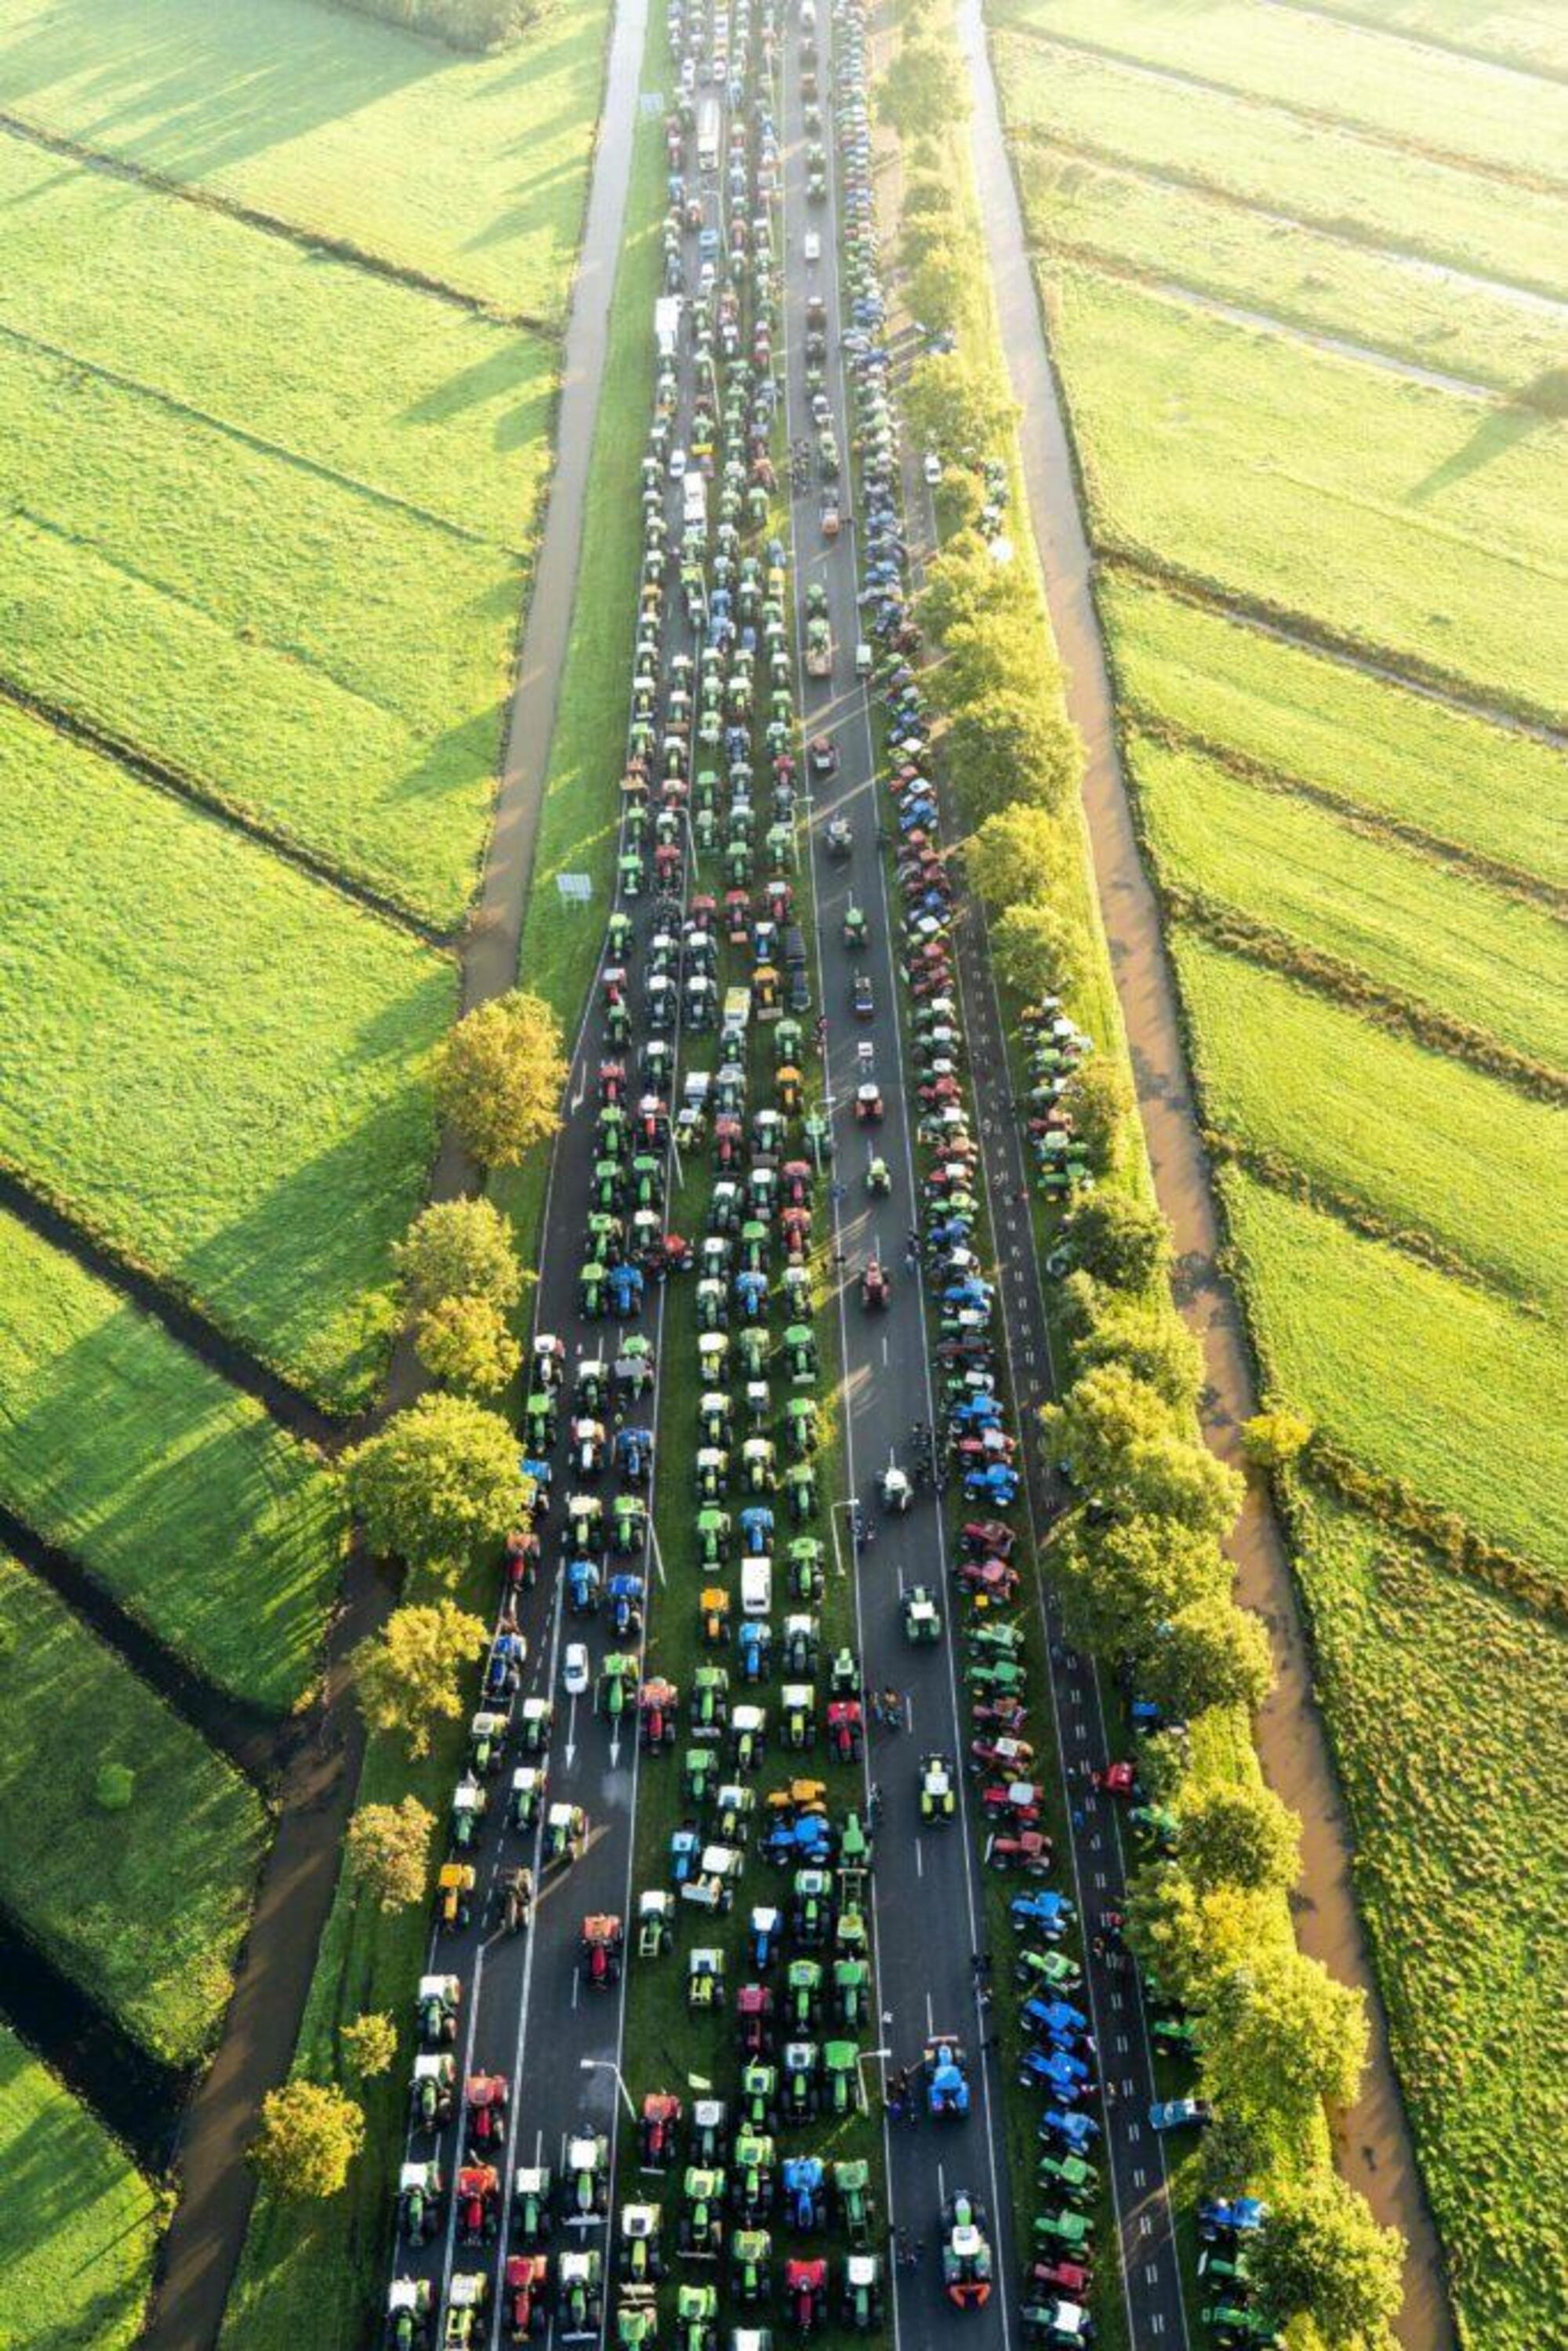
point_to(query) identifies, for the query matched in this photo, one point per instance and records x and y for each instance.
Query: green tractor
(851, 1990)
(750, 2266)
(759, 2096)
(753, 2175)
(802, 1994)
(852, 2193)
(701, 2214)
(840, 2077)
(696, 2318)
(862, 2299)
(617, 1685)
(641, 2259)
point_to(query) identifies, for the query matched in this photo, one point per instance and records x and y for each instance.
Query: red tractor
(660, 2130)
(806, 2294)
(846, 1729)
(485, 2102)
(602, 1950)
(478, 2204)
(526, 2296)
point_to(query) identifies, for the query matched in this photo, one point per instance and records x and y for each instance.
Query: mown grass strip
(1527, 34)
(1422, 930)
(212, 1526)
(144, 1901)
(76, 2221)
(1427, 1382)
(1422, 1142)
(240, 1105)
(1291, 710)
(1448, 1708)
(470, 171)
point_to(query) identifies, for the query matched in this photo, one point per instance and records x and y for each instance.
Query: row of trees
(1138, 1559)
(438, 1485)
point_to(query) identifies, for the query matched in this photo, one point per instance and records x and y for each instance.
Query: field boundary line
(243, 1734)
(295, 459)
(1338, 226)
(1386, 1007)
(56, 1218)
(307, 240)
(1424, 37)
(1294, 627)
(1316, 117)
(1141, 719)
(1406, 1516)
(1276, 1173)
(159, 776)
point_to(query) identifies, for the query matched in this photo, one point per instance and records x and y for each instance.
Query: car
(677, 463)
(824, 756)
(1178, 2114)
(574, 1671)
(812, 246)
(931, 467)
(863, 997)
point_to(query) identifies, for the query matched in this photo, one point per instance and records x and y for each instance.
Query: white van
(757, 1587)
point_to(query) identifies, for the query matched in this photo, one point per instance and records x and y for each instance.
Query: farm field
(470, 170)
(190, 1506)
(1325, 177)
(1309, 278)
(1430, 932)
(1407, 520)
(1323, 582)
(1460, 1872)
(76, 2223)
(144, 1904)
(1370, 745)
(1434, 1149)
(237, 1103)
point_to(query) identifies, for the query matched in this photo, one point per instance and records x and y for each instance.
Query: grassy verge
(238, 1103)
(75, 2221)
(145, 1902)
(472, 170)
(318, 2275)
(191, 1505)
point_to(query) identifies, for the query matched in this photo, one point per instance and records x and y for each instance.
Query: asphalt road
(927, 1890)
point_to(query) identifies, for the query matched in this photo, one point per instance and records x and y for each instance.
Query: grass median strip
(127, 1848)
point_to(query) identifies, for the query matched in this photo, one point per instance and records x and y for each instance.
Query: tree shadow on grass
(1536, 404)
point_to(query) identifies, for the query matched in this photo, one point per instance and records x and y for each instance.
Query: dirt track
(199, 2255)
(1374, 2148)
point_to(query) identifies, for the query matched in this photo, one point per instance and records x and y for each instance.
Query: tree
(309, 2136)
(1281, 2037)
(997, 652)
(1189, 1941)
(1181, 1480)
(1274, 1439)
(1144, 1334)
(1103, 1417)
(1121, 1579)
(499, 1076)
(369, 2043)
(1212, 1654)
(923, 88)
(1233, 1835)
(458, 1249)
(440, 1481)
(1013, 746)
(1033, 949)
(964, 582)
(1324, 2256)
(955, 406)
(387, 1849)
(407, 1674)
(1014, 852)
(465, 1342)
(1100, 1101)
(941, 289)
(1120, 1240)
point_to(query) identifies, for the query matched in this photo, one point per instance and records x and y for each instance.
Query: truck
(694, 501)
(708, 135)
(736, 1017)
(667, 325)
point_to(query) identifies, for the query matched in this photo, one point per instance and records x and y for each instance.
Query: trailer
(708, 135)
(667, 325)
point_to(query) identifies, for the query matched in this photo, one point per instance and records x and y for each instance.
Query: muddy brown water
(1372, 2143)
(201, 2251)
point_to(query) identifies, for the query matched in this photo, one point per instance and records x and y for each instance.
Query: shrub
(114, 1788)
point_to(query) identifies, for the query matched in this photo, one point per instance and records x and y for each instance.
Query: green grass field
(471, 169)
(1429, 931)
(1394, 754)
(1529, 33)
(76, 2220)
(1325, 177)
(187, 1503)
(1430, 1146)
(1421, 1376)
(450, 412)
(1460, 1862)
(145, 1906)
(1416, 523)
(216, 1061)
(1289, 59)
(1303, 276)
